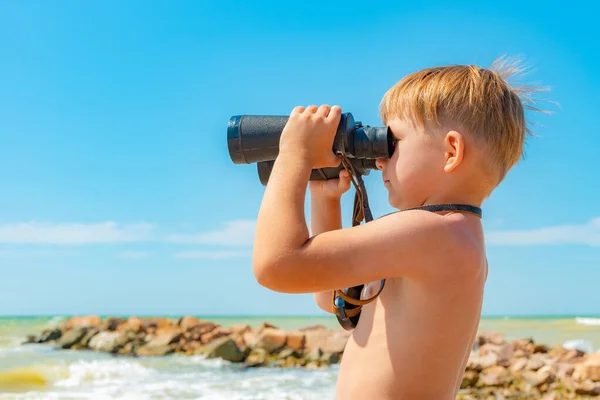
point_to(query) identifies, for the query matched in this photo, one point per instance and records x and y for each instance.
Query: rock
(49, 336)
(564, 370)
(133, 324)
(271, 339)
(296, 340)
(72, 337)
(163, 337)
(250, 338)
(536, 379)
(112, 324)
(287, 352)
(224, 348)
(202, 329)
(239, 341)
(240, 328)
(589, 369)
(265, 325)
(92, 321)
(469, 379)
(492, 337)
(189, 322)
(312, 365)
(153, 351)
(477, 362)
(572, 356)
(108, 341)
(153, 324)
(256, 358)
(85, 341)
(493, 376)
(314, 355)
(214, 334)
(518, 364)
(587, 388)
(190, 348)
(540, 348)
(329, 358)
(535, 363)
(330, 341)
(551, 396)
(504, 352)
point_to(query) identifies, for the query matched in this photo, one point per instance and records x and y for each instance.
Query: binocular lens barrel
(255, 138)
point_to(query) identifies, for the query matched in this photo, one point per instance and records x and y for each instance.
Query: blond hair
(479, 100)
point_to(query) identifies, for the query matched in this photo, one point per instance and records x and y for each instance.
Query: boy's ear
(454, 150)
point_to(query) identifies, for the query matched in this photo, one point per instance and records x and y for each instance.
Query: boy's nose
(380, 163)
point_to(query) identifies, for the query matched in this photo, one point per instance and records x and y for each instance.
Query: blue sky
(117, 192)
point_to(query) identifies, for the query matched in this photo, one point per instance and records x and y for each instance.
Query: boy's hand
(309, 134)
(331, 189)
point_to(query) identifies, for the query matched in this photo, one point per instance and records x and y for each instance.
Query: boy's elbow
(269, 273)
(276, 272)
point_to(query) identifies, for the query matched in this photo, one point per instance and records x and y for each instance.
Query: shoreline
(276, 316)
(497, 365)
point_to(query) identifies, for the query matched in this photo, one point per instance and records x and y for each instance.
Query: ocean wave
(579, 344)
(587, 321)
(101, 372)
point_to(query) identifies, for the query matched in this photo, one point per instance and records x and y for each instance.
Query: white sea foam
(102, 372)
(587, 321)
(579, 344)
(176, 377)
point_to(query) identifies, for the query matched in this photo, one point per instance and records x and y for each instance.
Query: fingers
(344, 181)
(323, 111)
(298, 110)
(311, 109)
(334, 113)
(326, 111)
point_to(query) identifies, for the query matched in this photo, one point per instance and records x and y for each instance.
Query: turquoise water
(40, 372)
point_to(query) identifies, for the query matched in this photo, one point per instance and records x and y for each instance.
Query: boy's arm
(325, 216)
(286, 259)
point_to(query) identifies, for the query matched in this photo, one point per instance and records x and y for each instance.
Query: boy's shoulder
(435, 238)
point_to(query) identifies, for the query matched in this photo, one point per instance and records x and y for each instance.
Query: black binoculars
(255, 139)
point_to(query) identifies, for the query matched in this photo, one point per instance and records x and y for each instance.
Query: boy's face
(415, 167)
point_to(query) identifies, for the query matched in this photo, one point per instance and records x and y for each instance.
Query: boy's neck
(464, 198)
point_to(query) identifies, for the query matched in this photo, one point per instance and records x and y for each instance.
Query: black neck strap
(450, 207)
(447, 207)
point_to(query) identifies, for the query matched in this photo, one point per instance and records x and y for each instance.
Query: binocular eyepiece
(255, 139)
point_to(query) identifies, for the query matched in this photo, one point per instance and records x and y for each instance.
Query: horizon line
(256, 316)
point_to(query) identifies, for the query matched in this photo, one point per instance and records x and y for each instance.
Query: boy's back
(455, 133)
(414, 340)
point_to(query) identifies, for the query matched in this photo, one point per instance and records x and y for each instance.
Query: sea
(37, 371)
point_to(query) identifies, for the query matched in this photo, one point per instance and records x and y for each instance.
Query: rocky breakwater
(498, 369)
(523, 369)
(265, 346)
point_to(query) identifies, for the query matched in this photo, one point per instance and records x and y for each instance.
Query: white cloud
(588, 234)
(133, 255)
(37, 254)
(235, 233)
(73, 233)
(212, 255)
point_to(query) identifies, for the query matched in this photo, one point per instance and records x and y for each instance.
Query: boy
(457, 131)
